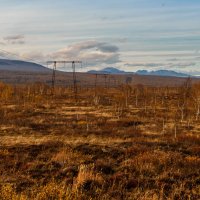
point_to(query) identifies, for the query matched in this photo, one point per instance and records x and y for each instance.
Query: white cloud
(34, 57)
(14, 39)
(92, 52)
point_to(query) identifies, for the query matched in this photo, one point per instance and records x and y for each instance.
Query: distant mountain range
(18, 65)
(112, 70)
(108, 70)
(162, 73)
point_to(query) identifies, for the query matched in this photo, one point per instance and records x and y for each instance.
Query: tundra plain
(128, 141)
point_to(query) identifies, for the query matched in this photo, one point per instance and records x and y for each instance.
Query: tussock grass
(52, 147)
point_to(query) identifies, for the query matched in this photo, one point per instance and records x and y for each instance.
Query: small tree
(185, 93)
(196, 99)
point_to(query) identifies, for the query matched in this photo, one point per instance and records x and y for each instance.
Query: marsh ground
(53, 147)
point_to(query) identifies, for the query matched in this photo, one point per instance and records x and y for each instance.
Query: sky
(130, 35)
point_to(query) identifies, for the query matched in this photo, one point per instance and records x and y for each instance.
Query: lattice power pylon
(73, 69)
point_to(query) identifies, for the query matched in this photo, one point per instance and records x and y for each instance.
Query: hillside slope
(17, 65)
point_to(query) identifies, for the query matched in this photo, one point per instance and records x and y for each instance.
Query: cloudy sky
(127, 34)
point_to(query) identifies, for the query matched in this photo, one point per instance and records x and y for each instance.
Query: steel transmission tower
(73, 69)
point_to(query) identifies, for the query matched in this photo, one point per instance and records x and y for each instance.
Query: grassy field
(128, 142)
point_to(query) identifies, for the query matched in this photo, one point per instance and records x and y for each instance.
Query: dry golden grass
(53, 147)
(87, 177)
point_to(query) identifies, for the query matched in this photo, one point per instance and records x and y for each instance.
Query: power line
(23, 58)
(8, 60)
(74, 73)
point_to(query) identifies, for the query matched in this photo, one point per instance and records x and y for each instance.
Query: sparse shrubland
(126, 142)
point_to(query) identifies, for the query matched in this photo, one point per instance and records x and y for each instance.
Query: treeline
(177, 104)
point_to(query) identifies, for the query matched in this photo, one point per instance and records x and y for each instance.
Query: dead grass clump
(129, 123)
(189, 139)
(181, 191)
(104, 167)
(192, 161)
(134, 150)
(153, 163)
(87, 178)
(7, 192)
(42, 170)
(139, 194)
(4, 152)
(68, 157)
(194, 150)
(52, 190)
